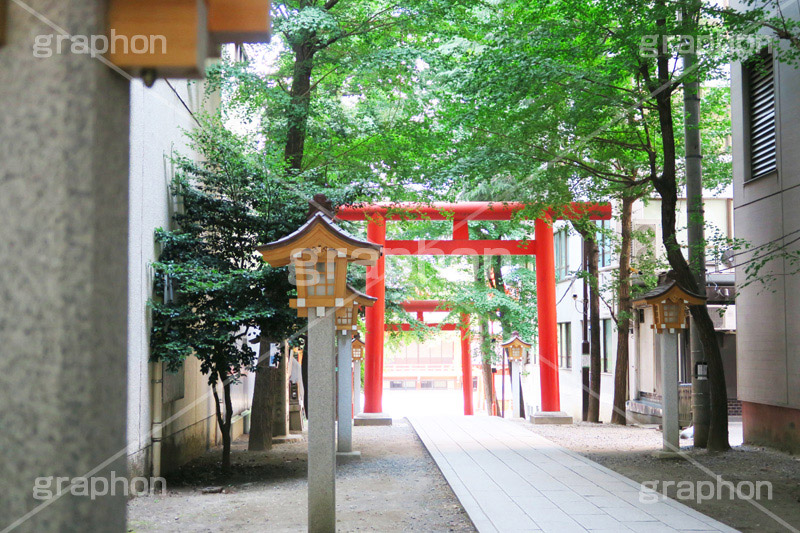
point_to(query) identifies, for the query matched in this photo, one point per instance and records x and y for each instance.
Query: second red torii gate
(460, 214)
(420, 307)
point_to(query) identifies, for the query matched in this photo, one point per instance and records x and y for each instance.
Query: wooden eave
(320, 232)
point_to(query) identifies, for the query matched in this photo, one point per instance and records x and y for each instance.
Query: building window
(565, 344)
(760, 76)
(561, 239)
(604, 245)
(607, 344)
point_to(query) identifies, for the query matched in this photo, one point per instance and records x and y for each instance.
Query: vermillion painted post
(373, 376)
(466, 364)
(546, 307)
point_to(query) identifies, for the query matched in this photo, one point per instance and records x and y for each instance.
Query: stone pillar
(321, 423)
(515, 385)
(669, 392)
(280, 421)
(357, 387)
(345, 405)
(64, 133)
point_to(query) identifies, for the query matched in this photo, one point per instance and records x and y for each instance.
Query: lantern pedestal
(516, 397)
(345, 407)
(372, 419)
(669, 392)
(550, 417)
(357, 388)
(321, 430)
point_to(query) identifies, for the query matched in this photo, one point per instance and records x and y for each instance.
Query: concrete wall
(63, 272)
(768, 318)
(158, 119)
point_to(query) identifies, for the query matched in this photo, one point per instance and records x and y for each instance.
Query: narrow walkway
(510, 479)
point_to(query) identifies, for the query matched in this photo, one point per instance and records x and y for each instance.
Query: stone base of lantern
(550, 417)
(372, 419)
(664, 454)
(347, 457)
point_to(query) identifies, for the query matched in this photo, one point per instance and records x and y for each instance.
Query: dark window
(565, 345)
(561, 240)
(607, 344)
(760, 76)
(604, 244)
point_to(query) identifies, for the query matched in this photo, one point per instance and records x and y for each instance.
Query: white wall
(569, 309)
(158, 119)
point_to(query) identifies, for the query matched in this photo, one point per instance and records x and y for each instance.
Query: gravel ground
(396, 486)
(629, 451)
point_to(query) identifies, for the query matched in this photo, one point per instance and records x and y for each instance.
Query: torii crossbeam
(461, 214)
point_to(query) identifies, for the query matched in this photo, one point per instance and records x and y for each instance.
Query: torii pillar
(375, 320)
(546, 311)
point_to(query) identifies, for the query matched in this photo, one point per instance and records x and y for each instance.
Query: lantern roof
(668, 291)
(320, 232)
(359, 298)
(357, 342)
(515, 341)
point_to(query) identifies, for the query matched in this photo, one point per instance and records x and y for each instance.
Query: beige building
(766, 171)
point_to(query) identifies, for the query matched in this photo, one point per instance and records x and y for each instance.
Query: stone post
(515, 385)
(357, 387)
(321, 423)
(64, 134)
(345, 410)
(669, 393)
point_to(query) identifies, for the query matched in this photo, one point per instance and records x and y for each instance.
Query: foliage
(213, 287)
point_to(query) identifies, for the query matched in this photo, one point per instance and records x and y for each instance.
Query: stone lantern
(669, 302)
(318, 254)
(358, 349)
(359, 352)
(516, 348)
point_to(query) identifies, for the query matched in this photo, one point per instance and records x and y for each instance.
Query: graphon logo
(46, 488)
(737, 45)
(45, 46)
(701, 491)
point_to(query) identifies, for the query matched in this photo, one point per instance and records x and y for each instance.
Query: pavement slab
(509, 479)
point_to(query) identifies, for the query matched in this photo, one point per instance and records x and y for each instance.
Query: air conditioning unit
(723, 316)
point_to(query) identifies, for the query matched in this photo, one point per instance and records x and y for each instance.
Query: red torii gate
(460, 214)
(420, 307)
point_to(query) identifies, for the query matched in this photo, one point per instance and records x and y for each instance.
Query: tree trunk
(224, 420)
(297, 112)
(261, 412)
(623, 314)
(594, 314)
(666, 185)
(696, 229)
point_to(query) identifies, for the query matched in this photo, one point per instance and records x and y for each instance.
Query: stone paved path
(509, 479)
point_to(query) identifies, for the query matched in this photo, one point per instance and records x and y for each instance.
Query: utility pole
(701, 400)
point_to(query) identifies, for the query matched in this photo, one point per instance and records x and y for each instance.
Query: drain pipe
(157, 429)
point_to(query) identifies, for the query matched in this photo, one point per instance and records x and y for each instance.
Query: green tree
(214, 287)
